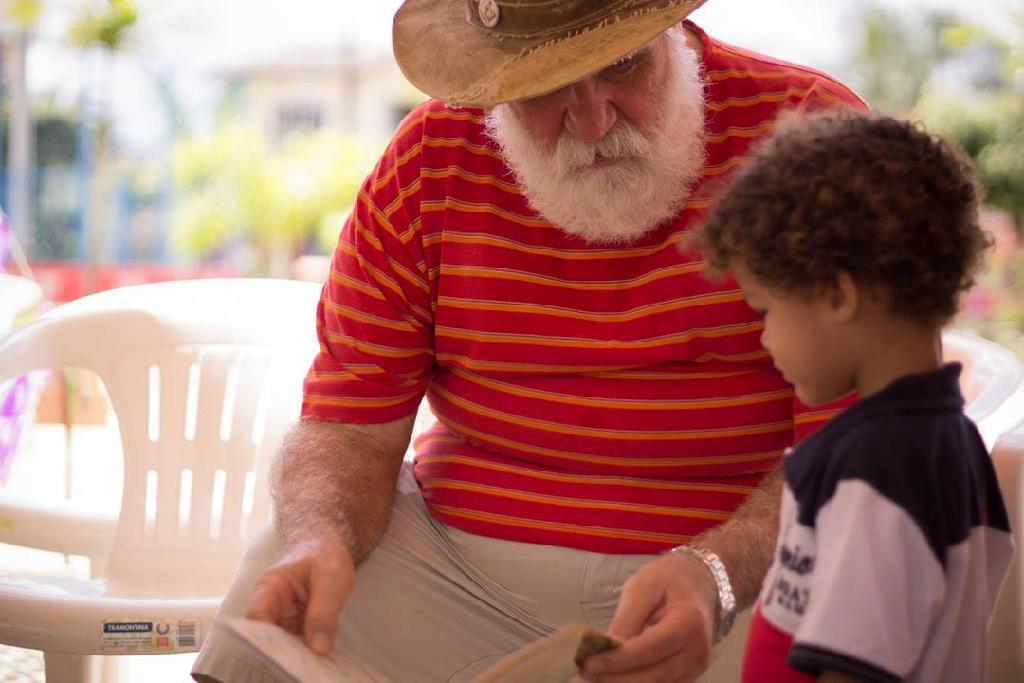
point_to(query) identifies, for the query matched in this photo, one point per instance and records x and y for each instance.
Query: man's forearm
(338, 479)
(746, 542)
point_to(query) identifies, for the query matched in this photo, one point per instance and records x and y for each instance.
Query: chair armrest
(58, 527)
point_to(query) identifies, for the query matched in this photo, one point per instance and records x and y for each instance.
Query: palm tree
(110, 26)
(23, 14)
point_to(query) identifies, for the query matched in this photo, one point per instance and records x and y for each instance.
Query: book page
(551, 659)
(288, 655)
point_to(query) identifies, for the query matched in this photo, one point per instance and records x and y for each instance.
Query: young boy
(854, 236)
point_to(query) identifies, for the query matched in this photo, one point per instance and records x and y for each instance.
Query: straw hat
(483, 52)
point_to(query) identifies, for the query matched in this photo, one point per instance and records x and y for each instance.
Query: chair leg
(64, 668)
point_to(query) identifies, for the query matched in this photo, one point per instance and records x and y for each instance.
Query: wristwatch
(726, 598)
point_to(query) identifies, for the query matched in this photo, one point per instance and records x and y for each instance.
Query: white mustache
(622, 141)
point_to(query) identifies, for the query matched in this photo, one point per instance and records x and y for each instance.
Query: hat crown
(549, 19)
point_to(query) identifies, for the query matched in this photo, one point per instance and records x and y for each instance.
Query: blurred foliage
(25, 13)
(107, 23)
(895, 56)
(964, 81)
(234, 189)
(992, 133)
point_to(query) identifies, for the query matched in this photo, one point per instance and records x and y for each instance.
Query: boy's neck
(895, 349)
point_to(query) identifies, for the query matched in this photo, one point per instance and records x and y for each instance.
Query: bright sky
(188, 38)
(824, 25)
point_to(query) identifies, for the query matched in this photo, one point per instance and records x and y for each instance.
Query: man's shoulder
(435, 119)
(736, 72)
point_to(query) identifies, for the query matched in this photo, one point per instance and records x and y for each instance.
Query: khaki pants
(438, 605)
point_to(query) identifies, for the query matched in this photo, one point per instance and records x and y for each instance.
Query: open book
(553, 659)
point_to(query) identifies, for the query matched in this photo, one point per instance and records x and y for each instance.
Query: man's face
(613, 156)
(628, 90)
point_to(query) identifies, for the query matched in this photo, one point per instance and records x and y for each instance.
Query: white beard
(646, 186)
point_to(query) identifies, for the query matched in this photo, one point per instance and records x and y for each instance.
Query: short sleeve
(374, 319)
(874, 597)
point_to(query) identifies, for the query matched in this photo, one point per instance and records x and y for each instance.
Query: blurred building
(341, 89)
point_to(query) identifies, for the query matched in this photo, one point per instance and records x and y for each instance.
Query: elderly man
(518, 255)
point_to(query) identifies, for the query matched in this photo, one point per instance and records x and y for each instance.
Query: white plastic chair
(1006, 632)
(204, 377)
(993, 386)
(20, 298)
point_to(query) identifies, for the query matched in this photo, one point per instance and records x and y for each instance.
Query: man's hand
(666, 619)
(305, 591)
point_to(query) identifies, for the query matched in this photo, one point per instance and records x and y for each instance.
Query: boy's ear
(844, 298)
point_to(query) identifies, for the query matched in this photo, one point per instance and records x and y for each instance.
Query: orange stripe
(408, 324)
(403, 194)
(334, 401)
(602, 532)
(818, 416)
(773, 97)
(733, 357)
(401, 161)
(742, 132)
(565, 254)
(368, 235)
(729, 74)
(444, 331)
(614, 434)
(585, 285)
(381, 277)
(695, 461)
(459, 172)
(724, 167)
(448, 143)
(601, 371)
(531, 368)
(449, 115)
(351, 370)
(374, 349)
(579, 503)
(379, 215)
(714, 298)
(624, 403)
(352, 283)
(575, 479)
(490, 209)
(671, 376)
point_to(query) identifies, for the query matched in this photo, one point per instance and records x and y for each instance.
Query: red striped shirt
(610, 399)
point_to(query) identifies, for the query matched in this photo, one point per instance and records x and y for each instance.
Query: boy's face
(806, 342)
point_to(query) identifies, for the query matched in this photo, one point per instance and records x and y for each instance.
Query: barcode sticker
(149, 636)
(188, 634)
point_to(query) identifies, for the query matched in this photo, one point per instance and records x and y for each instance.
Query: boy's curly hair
(879, 198)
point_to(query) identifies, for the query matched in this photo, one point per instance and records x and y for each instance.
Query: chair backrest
(205, 377)
(991, 380)
(1006, 632)
(993, 386)
(19, 297)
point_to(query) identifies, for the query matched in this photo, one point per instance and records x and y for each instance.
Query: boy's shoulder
(885, 450)
(930, 464)
(917, 421)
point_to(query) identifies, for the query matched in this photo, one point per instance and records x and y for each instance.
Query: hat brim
(453, 60)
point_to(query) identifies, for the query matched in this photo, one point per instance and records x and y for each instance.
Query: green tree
(108, 23)
(233, 189)
(964, 81)
(896, 55)
(987, 121)
(111, 26)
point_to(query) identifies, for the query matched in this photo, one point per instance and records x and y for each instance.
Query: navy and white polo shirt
(893, 543)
